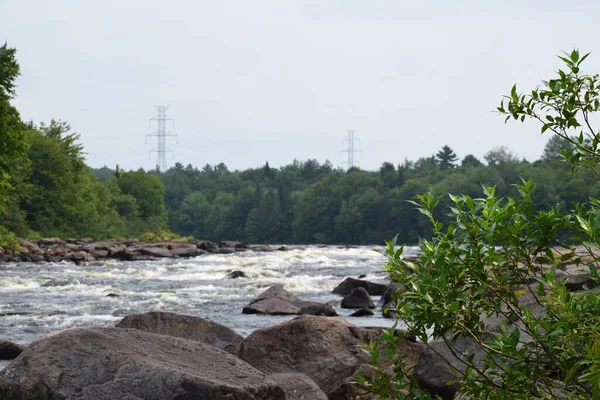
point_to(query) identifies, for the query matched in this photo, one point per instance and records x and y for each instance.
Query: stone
(298, 386)
(187, 327)
(271, 306)
(372, 288)
(363, 312)
(358, 298)
(188, 251)
(324, 310)
(263, 249)
(115, 363)
(157, 252)
(10, 350)
(326, 349)
(236, 274)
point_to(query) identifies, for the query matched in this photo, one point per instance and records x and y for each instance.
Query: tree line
(310, 202)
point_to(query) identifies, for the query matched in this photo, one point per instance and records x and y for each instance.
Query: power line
(351, 149)
(161, 133)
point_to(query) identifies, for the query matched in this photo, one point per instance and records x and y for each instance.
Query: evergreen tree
(446, 158)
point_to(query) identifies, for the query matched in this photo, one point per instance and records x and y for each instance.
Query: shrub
(486, 286)
(8, 240)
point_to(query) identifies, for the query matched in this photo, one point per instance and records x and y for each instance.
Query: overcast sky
(255, 81)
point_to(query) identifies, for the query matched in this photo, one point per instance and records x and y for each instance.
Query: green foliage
(157, 236)
(8, 240)
(486, 285)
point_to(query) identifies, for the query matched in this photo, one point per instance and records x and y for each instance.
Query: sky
(276, 80)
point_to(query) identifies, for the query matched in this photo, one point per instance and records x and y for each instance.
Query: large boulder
(374, 289)
(358, 298)
(113, 363)
(326, 349)
(278, 301)
(187, 327)
(9, 350)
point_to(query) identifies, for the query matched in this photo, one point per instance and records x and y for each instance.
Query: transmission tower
(351, 149)
(161, 133)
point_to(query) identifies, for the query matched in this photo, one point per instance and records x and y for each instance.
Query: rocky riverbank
(171, 356)
(87, 250)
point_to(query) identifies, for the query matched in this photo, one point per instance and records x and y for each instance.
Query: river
(39, 298)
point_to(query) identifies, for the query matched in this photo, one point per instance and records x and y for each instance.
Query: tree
(12, 139)
(446, 158)
(470, 161)
(503, 313)
(555, 148)
(500, 155)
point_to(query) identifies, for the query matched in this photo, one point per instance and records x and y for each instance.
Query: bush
(157, 237)
(486, 285)
(8, 240)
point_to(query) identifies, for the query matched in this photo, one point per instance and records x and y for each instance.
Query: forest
(47, 190)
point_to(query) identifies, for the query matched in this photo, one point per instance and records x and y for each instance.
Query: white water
(37, 299)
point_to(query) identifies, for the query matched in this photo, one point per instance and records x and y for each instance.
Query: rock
(187, 327)
(113, 295)
(272, 306)
(207, 246)
(125, 255)
(236, 274)
(577, 281)
(389, 311)
(157, 252)
(97, 253)
(277, 291)
(326, 349)
(37, 258)
(263, 248)
(298, 386)
(362, 276)
(234, 244)
(433, 372)
(282, 248)
(374, 289)
(114, 363)
(187, 252)
(358, 298)
(363, 312)
(79, 256)
(50, 241)
(10, 350)
(224, 250)
(386, 297)
(324, 310)
(278, 301)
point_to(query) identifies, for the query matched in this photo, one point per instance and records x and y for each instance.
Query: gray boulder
(113, 363)
(158, 252)
(358, 298)
(187, 327)
(326, 349)
(374, 289)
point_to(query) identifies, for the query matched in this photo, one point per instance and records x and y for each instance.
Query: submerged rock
(236, 274)
(187, 327)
